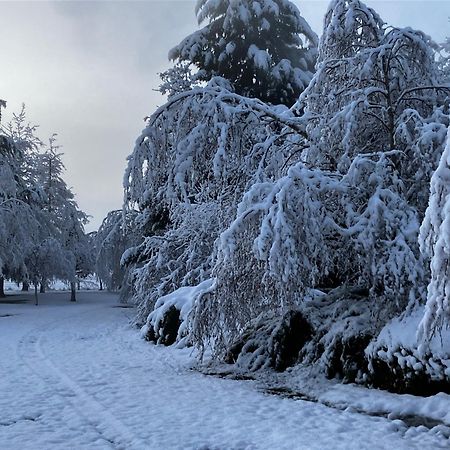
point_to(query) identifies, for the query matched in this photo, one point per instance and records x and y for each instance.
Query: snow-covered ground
(77, 376)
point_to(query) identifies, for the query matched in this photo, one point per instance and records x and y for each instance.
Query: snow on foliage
(270, 254)
(398, 346)
(444, 60)
(178, 79)
(435, 243)
(315, 229)
(375, 90)
(275, 203)
(190, 167)
(265, 48)
(114, 236)
(351, 216)
(183, 300)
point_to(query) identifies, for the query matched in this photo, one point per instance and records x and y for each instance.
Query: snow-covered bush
(315, 229)
(398, 361)
(270, 341)
(172, 317)
(270, 255)
(179, 257)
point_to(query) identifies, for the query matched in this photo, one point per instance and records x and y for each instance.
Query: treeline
(297, 184)
(42, 233)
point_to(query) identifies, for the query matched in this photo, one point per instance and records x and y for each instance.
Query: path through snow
(76, 376)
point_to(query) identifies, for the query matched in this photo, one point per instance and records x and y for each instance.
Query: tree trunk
(2, 287)
(36, 300)
(25, 286)
(78, 284)
(72, 291)
(101, 284)
(42, 290)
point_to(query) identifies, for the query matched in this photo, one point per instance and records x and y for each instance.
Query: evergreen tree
(265, 48)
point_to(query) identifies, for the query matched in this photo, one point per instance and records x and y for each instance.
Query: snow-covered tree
(187, 173)
(66, 219)
(376, 90)
(177, 79)
(47, 260)
(20, 195)
(38, 214)
(435, 244)
(376, 114)
(265, 48)
(111, 240)
(2, 105)
(270, 255)
(444, 59)
(383, 229)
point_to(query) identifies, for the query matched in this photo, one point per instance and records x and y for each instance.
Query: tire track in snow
(84, 405)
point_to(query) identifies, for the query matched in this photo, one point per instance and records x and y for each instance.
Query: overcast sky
(87, 70)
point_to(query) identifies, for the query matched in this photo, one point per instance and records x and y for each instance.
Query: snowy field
(76, 376)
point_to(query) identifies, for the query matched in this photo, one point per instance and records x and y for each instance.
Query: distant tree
(444, 60)
(111, 240)
(2, 105)
(47, 260)
(265, 48)
(66, 219)
(177, 79)
(38, 214)
(20, 195)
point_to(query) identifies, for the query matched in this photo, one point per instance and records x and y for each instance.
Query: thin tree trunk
(101, 284)
(36, 300)
(2, 287)
(72, 291)
(42, 290)
(25, 286)
(78, 284)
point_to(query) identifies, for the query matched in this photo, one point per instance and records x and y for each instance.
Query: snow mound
(415, 366)
(169, 321)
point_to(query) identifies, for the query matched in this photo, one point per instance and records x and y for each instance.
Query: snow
(86, 284)
(401, 332)
(183, 299)
(76, 375)
(434, 240)
(399, 342)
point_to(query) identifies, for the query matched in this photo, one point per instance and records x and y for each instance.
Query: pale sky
(88, 69)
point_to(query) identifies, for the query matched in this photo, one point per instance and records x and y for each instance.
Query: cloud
(88, 71)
